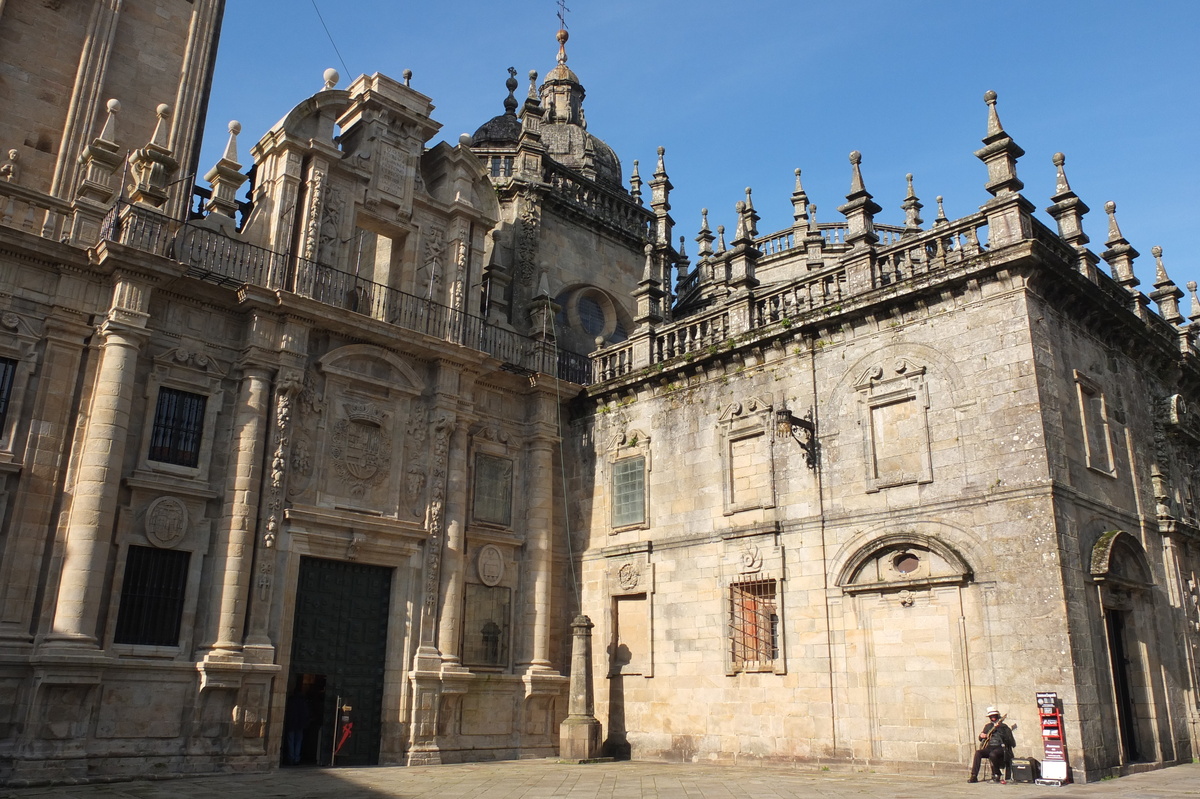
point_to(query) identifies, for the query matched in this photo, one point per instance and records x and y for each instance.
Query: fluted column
(235, 540)
(94, 494)
(539, 544)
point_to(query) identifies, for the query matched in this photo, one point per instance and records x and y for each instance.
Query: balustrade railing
(609, 207)
(930, 251)
(212, 256)
(691, 336)
(32, 211)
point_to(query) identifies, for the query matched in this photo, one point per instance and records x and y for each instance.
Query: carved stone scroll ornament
(289, 384)
(528, 223)
(442, 428)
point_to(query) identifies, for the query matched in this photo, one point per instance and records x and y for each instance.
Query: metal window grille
(753, 625)
(493, 489)
(629, 491)
(152, 597)
(178, 425)
(485, 625)
(8, 370)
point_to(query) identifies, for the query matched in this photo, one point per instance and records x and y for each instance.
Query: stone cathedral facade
(361, 423)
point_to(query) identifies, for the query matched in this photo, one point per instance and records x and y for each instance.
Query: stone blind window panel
(895, 406)
(493, 490)
(152, 597)
(747, 456)
(178, 428)
(1097, 436)
(754, 627)
(629, 652)
(486, 629)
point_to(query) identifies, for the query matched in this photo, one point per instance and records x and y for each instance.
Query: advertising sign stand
(1055, 769)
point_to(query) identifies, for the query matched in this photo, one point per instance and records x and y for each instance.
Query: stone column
(36, 507)
(579, 735)
(453, 563)
(235, 539)
(94, 494)
(539, 564)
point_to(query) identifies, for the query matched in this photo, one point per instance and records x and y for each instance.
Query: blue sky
(742, 93)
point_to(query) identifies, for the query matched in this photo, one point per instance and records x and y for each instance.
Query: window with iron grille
(8, 370)
(178, 426)
(753, 625)
(485, 625)
(629, 491)
(493, 489)
(152, 596)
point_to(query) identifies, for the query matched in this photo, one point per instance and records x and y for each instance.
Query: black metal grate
(8, 369)
(178, 426)
(754, 625)
(152, 597)
(485, 625)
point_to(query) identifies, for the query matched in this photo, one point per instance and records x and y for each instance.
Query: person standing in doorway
(295, 722)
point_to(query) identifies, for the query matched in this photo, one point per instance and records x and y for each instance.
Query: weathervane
(562, 14)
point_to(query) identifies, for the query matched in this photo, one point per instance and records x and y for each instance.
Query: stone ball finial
(1059, 159)
(740, 207)
(855, 157)
(939, 198)
(1191, 286)
(163, 110)
(909, 177)
(721, 229)
(1110, 207)
(13, 155)
(407, 75)
(331, 77)
(748, 190)
(465, 139)
(796, 171)
(648, 250)
(113, 106)
(661, 150)
(533, 75)
(1156, 251)
(704, 212)
(235, 127)
(989, 97)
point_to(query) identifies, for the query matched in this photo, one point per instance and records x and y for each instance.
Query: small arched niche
(903, 561)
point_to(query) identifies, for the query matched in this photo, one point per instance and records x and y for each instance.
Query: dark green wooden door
(340, 639)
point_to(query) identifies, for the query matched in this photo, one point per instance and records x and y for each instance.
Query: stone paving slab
(548, 779)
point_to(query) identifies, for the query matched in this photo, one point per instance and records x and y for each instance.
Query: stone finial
(912, 209)
(812, 218)
(331, 77)
(510, 102)
(635, 184)
(109, 132)
(660, 170)
(562, 36)
(466, 139)
(1068, 210)
(941, 217)
(11, 171)
(1165, 293)
(705, 237)
(860, 208)
(682, 251)
(720, 238)
(799, 204)
(1120, 253)
(153, 165)
(533, 92)
(1194, 316)
(162, 133)
(406, 75)
(1000, 154)
(226, 177)
(747, 227)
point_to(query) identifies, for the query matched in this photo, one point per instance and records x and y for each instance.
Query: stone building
(376, 430)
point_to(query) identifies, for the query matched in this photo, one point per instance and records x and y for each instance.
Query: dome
(504, 129)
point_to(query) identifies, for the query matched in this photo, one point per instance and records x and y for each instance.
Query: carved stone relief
(361, 448)
(528, 223)
(166, 522)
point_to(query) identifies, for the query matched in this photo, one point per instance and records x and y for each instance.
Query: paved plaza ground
(545, 779)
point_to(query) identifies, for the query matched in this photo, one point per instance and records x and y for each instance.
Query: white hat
(991, 711)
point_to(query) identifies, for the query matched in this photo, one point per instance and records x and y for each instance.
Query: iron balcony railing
(214, 257)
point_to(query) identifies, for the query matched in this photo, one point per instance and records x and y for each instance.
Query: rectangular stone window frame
(17, 361)
(492, 508)
(486, 606)
(753, 561)
(624, 453)
(186, 381)
(1095, 427)
(735, 430)
(181, 650)
(905, 388)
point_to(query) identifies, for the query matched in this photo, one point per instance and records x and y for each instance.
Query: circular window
(591, 315)
(906, 563)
